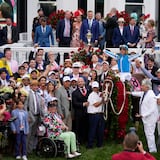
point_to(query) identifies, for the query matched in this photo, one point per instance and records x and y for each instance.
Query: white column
(31, 13)
(150, 8)
(71, 5)
(91, 5)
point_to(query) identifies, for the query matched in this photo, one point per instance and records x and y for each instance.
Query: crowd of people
(109, 32)
(69, 99)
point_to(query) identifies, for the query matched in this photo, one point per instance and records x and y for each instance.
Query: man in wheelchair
(57, 129)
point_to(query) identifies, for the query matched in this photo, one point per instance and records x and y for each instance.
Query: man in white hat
(148, 112)
(96, 120)
(118, 33)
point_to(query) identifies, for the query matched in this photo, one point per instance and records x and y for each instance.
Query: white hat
(105, 62)
(50, 73)
(74, 79)
(53, 99)
(67, 71)
(121, 19)
(95, 84)
(76, 65)
(66, 78)
(26, 76)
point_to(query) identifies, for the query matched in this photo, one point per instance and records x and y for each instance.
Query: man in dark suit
(43, 33)
(118, 33)
(10, 32)
(79, 102)
(92, 25)
(36, 21)
(151, 66)
(131, 34)
(131, 143)
(110, 25)
(64, 31)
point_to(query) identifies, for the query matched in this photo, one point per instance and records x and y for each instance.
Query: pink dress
(76, 35)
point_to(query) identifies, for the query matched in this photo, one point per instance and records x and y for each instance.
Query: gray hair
(147, 82)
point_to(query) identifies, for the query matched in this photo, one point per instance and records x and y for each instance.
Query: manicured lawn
(110, 147)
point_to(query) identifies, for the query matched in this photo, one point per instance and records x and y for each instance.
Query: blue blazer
(131, 38)
(117, 38)
(85, 28)
(15, 124)
(43, 38)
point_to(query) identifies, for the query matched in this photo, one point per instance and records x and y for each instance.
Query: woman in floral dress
(56, 129)
(75, 42)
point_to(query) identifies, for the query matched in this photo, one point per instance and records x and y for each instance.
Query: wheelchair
(48, 147)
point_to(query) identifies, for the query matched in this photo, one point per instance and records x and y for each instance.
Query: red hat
(78, 13)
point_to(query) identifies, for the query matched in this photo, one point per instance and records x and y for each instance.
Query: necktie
(83, 91)
(90, 23)
(143, 97)
(132, 30)
(43, 29)
(67, 29)
(69, 98)
(37, 104)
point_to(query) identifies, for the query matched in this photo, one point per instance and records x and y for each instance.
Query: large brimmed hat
(121, 19)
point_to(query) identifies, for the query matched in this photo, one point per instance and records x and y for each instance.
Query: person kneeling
(56, 129)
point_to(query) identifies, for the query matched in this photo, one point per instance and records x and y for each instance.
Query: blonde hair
(151, 22)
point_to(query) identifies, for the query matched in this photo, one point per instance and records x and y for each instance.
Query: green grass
(104, 153)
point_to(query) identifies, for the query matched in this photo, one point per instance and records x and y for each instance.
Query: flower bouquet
(54, 17)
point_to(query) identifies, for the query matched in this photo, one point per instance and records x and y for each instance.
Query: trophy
(89, 36)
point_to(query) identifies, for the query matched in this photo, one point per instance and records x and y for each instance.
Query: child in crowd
(20, 127)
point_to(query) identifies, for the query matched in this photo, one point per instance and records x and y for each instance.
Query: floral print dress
(54, 125)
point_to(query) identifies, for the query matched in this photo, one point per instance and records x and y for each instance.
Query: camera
(132, 130)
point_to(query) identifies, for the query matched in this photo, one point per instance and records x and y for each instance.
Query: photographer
(130, 144)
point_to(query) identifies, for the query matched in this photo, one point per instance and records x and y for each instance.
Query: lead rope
(110, 100)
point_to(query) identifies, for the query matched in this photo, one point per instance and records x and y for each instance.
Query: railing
(21, 53)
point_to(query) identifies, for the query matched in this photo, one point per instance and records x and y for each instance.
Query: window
(135, 6)
(48, 6)
(99, 6)
(83, 5)
(134, 1)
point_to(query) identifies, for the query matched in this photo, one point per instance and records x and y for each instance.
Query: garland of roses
(117, 130)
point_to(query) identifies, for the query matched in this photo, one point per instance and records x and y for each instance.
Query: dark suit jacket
(153, 71)
(15, 36)
(45, 63)
(77, 102)
(117, 38)
(85, 28)
(125, 155)
(60, 29)
(131, 38)
(110, 25)
(43, 38)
